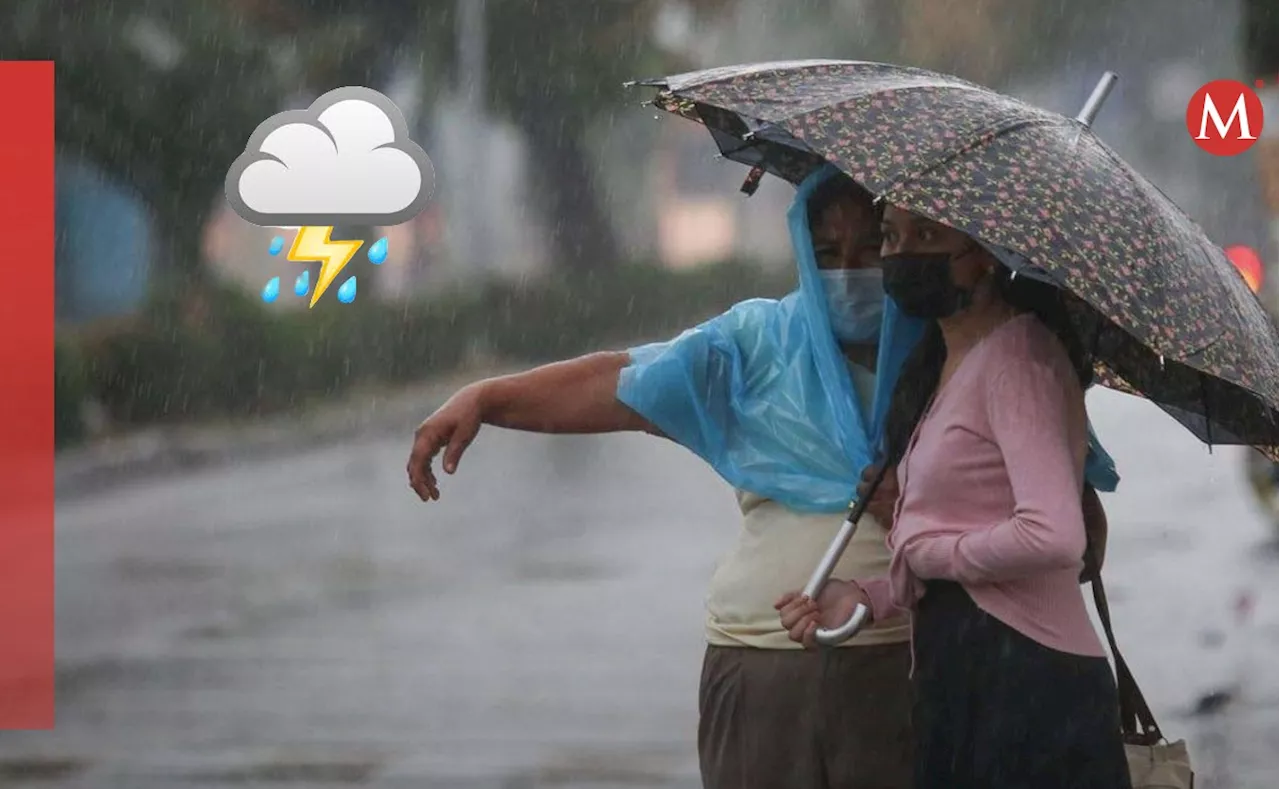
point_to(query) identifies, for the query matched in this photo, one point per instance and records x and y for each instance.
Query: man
(784, 399)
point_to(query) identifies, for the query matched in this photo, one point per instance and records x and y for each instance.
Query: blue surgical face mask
(855, 302)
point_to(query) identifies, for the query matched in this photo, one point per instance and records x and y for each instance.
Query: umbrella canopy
(1164, 310)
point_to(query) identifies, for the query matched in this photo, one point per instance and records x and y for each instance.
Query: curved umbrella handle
(822, 573)
(838, 635)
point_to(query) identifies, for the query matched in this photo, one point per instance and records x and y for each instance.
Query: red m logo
(1231, 135)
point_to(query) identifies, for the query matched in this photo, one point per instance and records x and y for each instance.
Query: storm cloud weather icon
(347, 159)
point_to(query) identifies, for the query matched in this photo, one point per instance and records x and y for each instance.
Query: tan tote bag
(1154, 762)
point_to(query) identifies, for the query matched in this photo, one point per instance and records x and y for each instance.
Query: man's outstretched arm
(574, 396)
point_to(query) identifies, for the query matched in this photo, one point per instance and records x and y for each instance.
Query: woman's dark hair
(917, 381)
(834, 188)
(922, 369)
(1049, 303)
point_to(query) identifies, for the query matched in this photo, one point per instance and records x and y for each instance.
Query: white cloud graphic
(347, 159)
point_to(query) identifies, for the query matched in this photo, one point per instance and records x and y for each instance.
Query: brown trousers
(790, 719)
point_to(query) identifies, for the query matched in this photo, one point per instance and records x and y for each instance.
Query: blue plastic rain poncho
(764, 395)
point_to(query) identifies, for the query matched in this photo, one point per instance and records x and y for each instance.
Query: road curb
(156, 451)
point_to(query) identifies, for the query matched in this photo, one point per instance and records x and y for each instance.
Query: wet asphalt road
(304, 621)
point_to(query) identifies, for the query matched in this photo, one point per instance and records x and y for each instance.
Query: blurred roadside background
(559, 194)
(236, 603)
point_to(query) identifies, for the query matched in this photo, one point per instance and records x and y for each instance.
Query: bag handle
(1137, 724)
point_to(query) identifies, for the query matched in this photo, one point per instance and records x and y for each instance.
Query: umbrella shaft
(825, 567)
(1099, 95)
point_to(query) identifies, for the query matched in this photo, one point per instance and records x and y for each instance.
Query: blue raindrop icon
(302, 284)
(277, 244)
(272, 290)
(347, 293)
(378, 252)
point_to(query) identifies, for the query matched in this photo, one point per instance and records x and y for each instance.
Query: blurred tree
(1260, 28)
(346, 42)
(162, 96)
(553, 67)
(557, 65)
(1259, 31)
(987, 41)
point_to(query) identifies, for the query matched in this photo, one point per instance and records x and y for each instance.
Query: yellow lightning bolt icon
(312, 244)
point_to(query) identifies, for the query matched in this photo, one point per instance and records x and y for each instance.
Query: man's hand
(452, 428)
(801, 617)
(885, 500)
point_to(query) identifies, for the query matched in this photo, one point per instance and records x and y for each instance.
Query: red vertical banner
(26, 396)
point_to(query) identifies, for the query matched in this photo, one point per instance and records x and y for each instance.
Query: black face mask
(920, 284)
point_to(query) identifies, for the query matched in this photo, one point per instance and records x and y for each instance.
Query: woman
(1012, 684)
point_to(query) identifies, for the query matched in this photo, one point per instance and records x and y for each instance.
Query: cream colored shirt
(776, 552)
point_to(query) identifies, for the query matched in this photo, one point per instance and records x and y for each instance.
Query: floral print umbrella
(1166, 313)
